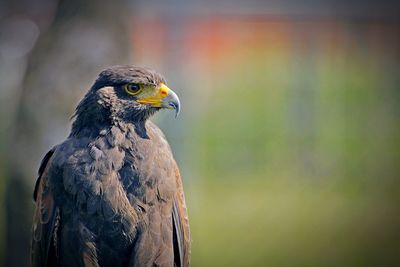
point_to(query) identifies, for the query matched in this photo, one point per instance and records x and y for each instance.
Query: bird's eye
(132, 88)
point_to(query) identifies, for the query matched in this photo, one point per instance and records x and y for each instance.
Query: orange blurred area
(215, 40)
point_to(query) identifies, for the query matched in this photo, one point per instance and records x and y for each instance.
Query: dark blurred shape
(76, 40)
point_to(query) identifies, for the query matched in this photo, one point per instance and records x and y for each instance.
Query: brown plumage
(111, 193)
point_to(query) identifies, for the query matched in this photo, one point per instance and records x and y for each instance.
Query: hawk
(111, 194)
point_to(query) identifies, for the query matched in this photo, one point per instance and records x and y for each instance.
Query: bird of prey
(111, 193)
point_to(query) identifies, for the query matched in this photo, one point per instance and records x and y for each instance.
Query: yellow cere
(157, 98)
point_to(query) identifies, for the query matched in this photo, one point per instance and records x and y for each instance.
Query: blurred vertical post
(83, 37)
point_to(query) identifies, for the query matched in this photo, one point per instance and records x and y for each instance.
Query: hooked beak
(164, 98)
(171, 101)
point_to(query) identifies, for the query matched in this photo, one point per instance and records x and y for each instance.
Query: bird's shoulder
(85, 163)
(88, 181)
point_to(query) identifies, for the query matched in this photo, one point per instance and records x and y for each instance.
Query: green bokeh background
(298, 163)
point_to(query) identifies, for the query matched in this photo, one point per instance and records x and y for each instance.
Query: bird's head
(129, 87)
(128, 93)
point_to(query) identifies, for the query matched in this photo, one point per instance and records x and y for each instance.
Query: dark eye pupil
(133, 88)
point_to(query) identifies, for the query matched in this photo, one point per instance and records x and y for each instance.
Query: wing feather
(45, 217)
(180, 226)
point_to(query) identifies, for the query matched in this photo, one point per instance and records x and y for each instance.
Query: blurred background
(288, 140)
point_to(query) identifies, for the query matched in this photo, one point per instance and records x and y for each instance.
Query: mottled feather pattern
(92, 176)
(121, 186)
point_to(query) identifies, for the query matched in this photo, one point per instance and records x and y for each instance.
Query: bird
(111, 194)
